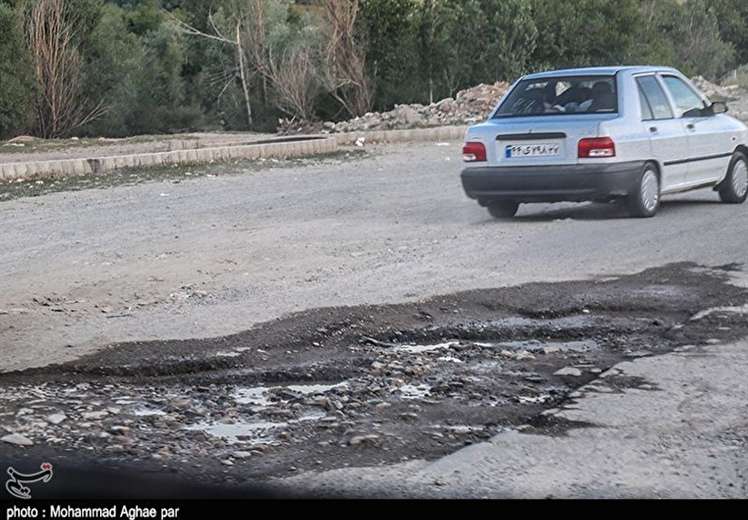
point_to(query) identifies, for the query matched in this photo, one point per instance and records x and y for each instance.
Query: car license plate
(532, 150)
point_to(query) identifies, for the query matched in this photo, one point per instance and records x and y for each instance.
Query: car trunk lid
(531, 141)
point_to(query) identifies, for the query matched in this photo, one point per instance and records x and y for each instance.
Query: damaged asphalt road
(373, 360)
(367, 386)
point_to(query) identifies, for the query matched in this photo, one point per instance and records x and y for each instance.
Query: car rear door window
(647, 114)
(658, 102)
(683, 95)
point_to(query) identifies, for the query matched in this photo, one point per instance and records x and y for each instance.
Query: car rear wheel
(502, 209)
(734, 189)
(644, 201)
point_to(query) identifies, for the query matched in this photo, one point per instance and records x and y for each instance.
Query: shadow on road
(607, 211)
(86, 479)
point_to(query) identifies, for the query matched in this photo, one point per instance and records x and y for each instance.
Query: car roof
(598, 71)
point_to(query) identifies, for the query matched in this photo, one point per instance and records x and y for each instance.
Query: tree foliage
(134, 68)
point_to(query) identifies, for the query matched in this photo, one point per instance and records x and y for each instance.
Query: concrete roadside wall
(102, 165)
(305, 146)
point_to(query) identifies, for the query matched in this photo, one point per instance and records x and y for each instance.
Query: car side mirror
(718, 107)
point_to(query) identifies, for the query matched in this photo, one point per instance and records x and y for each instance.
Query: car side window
(656, 97)
(647, 114)
(683, 95)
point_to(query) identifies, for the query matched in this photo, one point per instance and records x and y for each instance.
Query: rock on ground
(17, 440)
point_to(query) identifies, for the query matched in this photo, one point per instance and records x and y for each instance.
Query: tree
(344, 68)
(230, 35)
(284, 51)
(161, 97)
(691, 30)
(732, 18)
(388, 28)
(511, 36)
(53, 34)
(435, 21)
(587, 33)
(15, 78)
(114, 70)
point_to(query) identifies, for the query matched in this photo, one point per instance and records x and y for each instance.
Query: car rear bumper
(575, 182)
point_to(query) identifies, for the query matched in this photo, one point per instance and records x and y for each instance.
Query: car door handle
(653, 129)
(691, 126)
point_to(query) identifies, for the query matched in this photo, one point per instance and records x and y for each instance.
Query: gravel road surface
(214, 255)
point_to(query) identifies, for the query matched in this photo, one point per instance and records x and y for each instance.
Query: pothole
(368, 385)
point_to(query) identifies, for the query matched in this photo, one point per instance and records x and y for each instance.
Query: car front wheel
(644, 201)
(734, 189)
(502, 209)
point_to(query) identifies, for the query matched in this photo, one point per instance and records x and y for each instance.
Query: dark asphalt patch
(367, 385)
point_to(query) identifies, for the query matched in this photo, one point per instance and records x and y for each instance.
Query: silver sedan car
(631, 133)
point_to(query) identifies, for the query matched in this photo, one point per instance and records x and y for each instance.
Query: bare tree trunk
(243, 73)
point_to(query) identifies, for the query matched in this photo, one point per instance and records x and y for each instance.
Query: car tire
(644, 200)
(502, 209)
(734, 189)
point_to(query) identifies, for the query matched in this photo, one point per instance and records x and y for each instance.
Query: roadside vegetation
(129, 67)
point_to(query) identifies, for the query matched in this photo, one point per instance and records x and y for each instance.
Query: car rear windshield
(560, 96)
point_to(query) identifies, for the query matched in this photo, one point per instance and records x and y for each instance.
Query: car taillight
(596, 147)
(474, 152)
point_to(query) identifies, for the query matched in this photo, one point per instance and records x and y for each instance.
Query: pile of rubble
(717, 92)
(471, 106)
(467, 107)
(735, 96)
